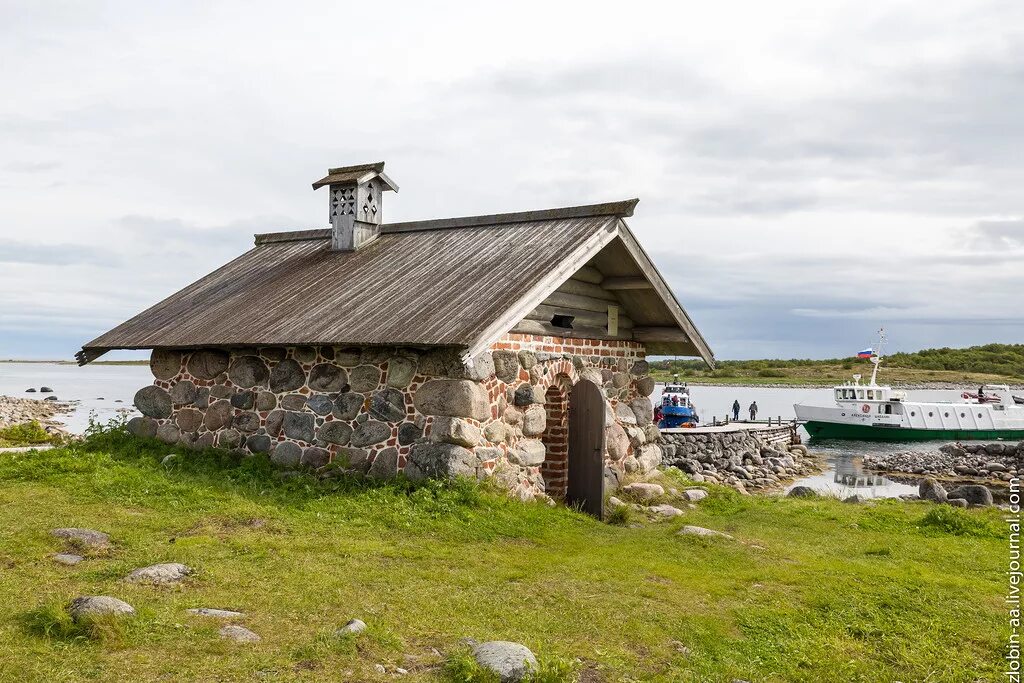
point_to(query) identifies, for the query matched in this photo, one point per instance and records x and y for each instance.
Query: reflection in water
(845, 475)
(850, 472)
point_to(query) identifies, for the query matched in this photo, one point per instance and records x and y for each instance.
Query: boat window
(930, 414)
(947, 414)
(963, 415)
(913, 413)
(871, 394)
(979, 414)
(888, 410)
(860, 394)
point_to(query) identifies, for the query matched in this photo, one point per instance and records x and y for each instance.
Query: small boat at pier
(874, 412)
(675, 409)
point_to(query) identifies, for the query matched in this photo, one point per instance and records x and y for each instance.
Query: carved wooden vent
(343, 201)
(369, 207)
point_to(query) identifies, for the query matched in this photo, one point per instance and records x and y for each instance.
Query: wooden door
(585, 489)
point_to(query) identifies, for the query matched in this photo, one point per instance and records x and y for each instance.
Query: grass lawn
(809, 590)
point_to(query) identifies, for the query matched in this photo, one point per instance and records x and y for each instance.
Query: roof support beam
(660, 334)
(626, 283)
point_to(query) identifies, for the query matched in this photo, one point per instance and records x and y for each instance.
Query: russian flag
(866, 353)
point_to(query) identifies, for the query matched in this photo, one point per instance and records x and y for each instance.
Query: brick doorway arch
(555, 468)
(574, 444)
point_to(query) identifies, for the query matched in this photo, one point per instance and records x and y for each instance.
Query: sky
(807, 171)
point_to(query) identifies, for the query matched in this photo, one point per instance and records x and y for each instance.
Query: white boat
(874, 412)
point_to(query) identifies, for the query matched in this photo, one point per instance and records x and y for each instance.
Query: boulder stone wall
(380, 410)
(764, 458)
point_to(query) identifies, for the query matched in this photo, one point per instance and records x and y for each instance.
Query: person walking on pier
(736, 410)
(753, 411)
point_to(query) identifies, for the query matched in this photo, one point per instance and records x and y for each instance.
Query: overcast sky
(808, 171)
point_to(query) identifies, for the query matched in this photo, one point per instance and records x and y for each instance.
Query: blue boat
(675, 409)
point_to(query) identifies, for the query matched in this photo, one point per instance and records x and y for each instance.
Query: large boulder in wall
(453, 398)
(441, 460)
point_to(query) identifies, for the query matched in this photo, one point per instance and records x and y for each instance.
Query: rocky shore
(15, 411)
(742, 460)
(993, 463)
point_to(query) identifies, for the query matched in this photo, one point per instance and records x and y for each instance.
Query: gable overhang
(663, 326)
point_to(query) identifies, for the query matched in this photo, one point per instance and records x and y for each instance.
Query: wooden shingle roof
(457, 282)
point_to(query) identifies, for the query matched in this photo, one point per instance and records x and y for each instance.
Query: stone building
(510, 345)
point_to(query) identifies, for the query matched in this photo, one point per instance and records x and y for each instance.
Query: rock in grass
(956, 502)
(701, 531)
(665, 510)
(168, 460)
(89, 606)
(802, 492)
(352, 627)
(238, 634)
(67, 558)
(644, 491)
(215, 613)
(87, 538)
(512, 662)
(694, 495)
(855, 499)
(158, 574)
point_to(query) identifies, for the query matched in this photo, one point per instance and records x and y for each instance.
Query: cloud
(31, 166)
(803, 173)
(29, 253)
(1007, 234)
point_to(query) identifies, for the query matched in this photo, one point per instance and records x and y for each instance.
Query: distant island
(976, 365)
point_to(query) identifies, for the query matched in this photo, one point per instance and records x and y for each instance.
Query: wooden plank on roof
(581, 288)
(585, 318)
(660, 334)
(539, 327)
(626, 283)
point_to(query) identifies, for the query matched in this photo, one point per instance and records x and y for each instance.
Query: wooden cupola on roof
(355, 202)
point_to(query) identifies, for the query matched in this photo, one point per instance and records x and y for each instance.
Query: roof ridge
(621, 209)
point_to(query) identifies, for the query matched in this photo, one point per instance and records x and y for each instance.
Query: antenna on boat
(876, 359)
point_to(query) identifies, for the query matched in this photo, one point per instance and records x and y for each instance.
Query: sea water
(104, 391)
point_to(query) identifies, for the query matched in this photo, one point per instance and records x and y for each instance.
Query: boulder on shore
(930, 489)
(974, 494)
(802, 492)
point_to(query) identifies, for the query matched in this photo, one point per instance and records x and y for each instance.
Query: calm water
(845, 475)
(96, 389)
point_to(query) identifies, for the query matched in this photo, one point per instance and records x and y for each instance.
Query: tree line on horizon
(990, 359)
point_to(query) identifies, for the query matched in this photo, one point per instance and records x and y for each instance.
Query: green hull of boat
(832, 430)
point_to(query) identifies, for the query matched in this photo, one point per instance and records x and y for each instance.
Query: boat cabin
(877, 399)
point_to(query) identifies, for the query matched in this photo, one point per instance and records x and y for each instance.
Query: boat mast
(876, 360)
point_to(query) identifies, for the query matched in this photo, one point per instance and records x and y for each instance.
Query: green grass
(989, 364)
(26, 434)
(810, 590)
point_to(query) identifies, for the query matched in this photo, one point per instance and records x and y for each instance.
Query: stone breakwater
(424, 412)
(15, 411)
(995, 463)
(761, 460)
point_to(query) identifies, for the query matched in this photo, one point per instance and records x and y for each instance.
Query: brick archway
(555, 468)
